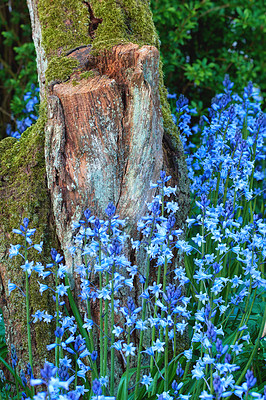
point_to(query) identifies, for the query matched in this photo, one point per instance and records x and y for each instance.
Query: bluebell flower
(188, 354)
(88, 323)
(47, 317)
(250, 379)
(11, 287)
(14, 250)
(104, 380)
(129, 349)
(149, 351)
(23, 378)
(38, 247)
(38, 316)
(79, 344)
(146, 380)
(165, 396)
(43, 287)
(205, 396)
(83, 369)
(62, 289)
(56, 256)
(158, 346)
(171, 96)
(14, 357)
(227, 83)
(181, 103)
(110, 210)
(96, 387)
(59, 332)
(94, 355)
(179, 370)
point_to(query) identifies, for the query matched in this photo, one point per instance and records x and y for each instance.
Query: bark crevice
(93, 21)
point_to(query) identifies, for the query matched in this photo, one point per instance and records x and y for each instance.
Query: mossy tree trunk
(105, 130)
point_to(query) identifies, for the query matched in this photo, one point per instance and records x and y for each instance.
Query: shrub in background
(202, 40)
(17, 61)
(29, 113)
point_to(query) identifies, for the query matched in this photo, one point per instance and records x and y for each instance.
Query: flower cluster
(191, 330)
(31, 100)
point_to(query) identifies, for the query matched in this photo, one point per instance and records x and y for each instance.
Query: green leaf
(80, 323)
(12, 372)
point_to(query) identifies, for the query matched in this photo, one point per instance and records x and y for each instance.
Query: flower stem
(112, 335)
(166, 380)
(16, 382)
(128, 359)
(105, 328)
(143, 315)
(57, 340)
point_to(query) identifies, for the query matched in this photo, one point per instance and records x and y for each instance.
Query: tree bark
(107, 126)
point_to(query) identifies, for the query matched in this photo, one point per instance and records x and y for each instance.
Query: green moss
(123, 22)
(84, 75)
(87, 74)
(24, 193)
(169, 127)
(65, 25)
(138, 17)
(60, 68)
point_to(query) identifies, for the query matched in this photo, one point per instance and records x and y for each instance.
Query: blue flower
(56, 256)
(158, 346)
(14, 250)
(129, 349)
(11, 287)
(28, 267)
(62, 289)
(110, 210)
(14, 357)
(206, 396)
(146, 380)
(96, 387)
(38, 247)
(198, 371)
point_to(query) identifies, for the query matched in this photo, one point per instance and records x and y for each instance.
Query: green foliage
(202, 40)
(17, 60)
(3, 348)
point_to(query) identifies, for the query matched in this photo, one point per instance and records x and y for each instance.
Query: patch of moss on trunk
(65, 25)
(124, 21)
(23, 193)
(60, 68)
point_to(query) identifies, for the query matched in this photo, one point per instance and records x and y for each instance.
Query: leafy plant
(17, 61)
(215, 299)
(29, 111)
(202, 40)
